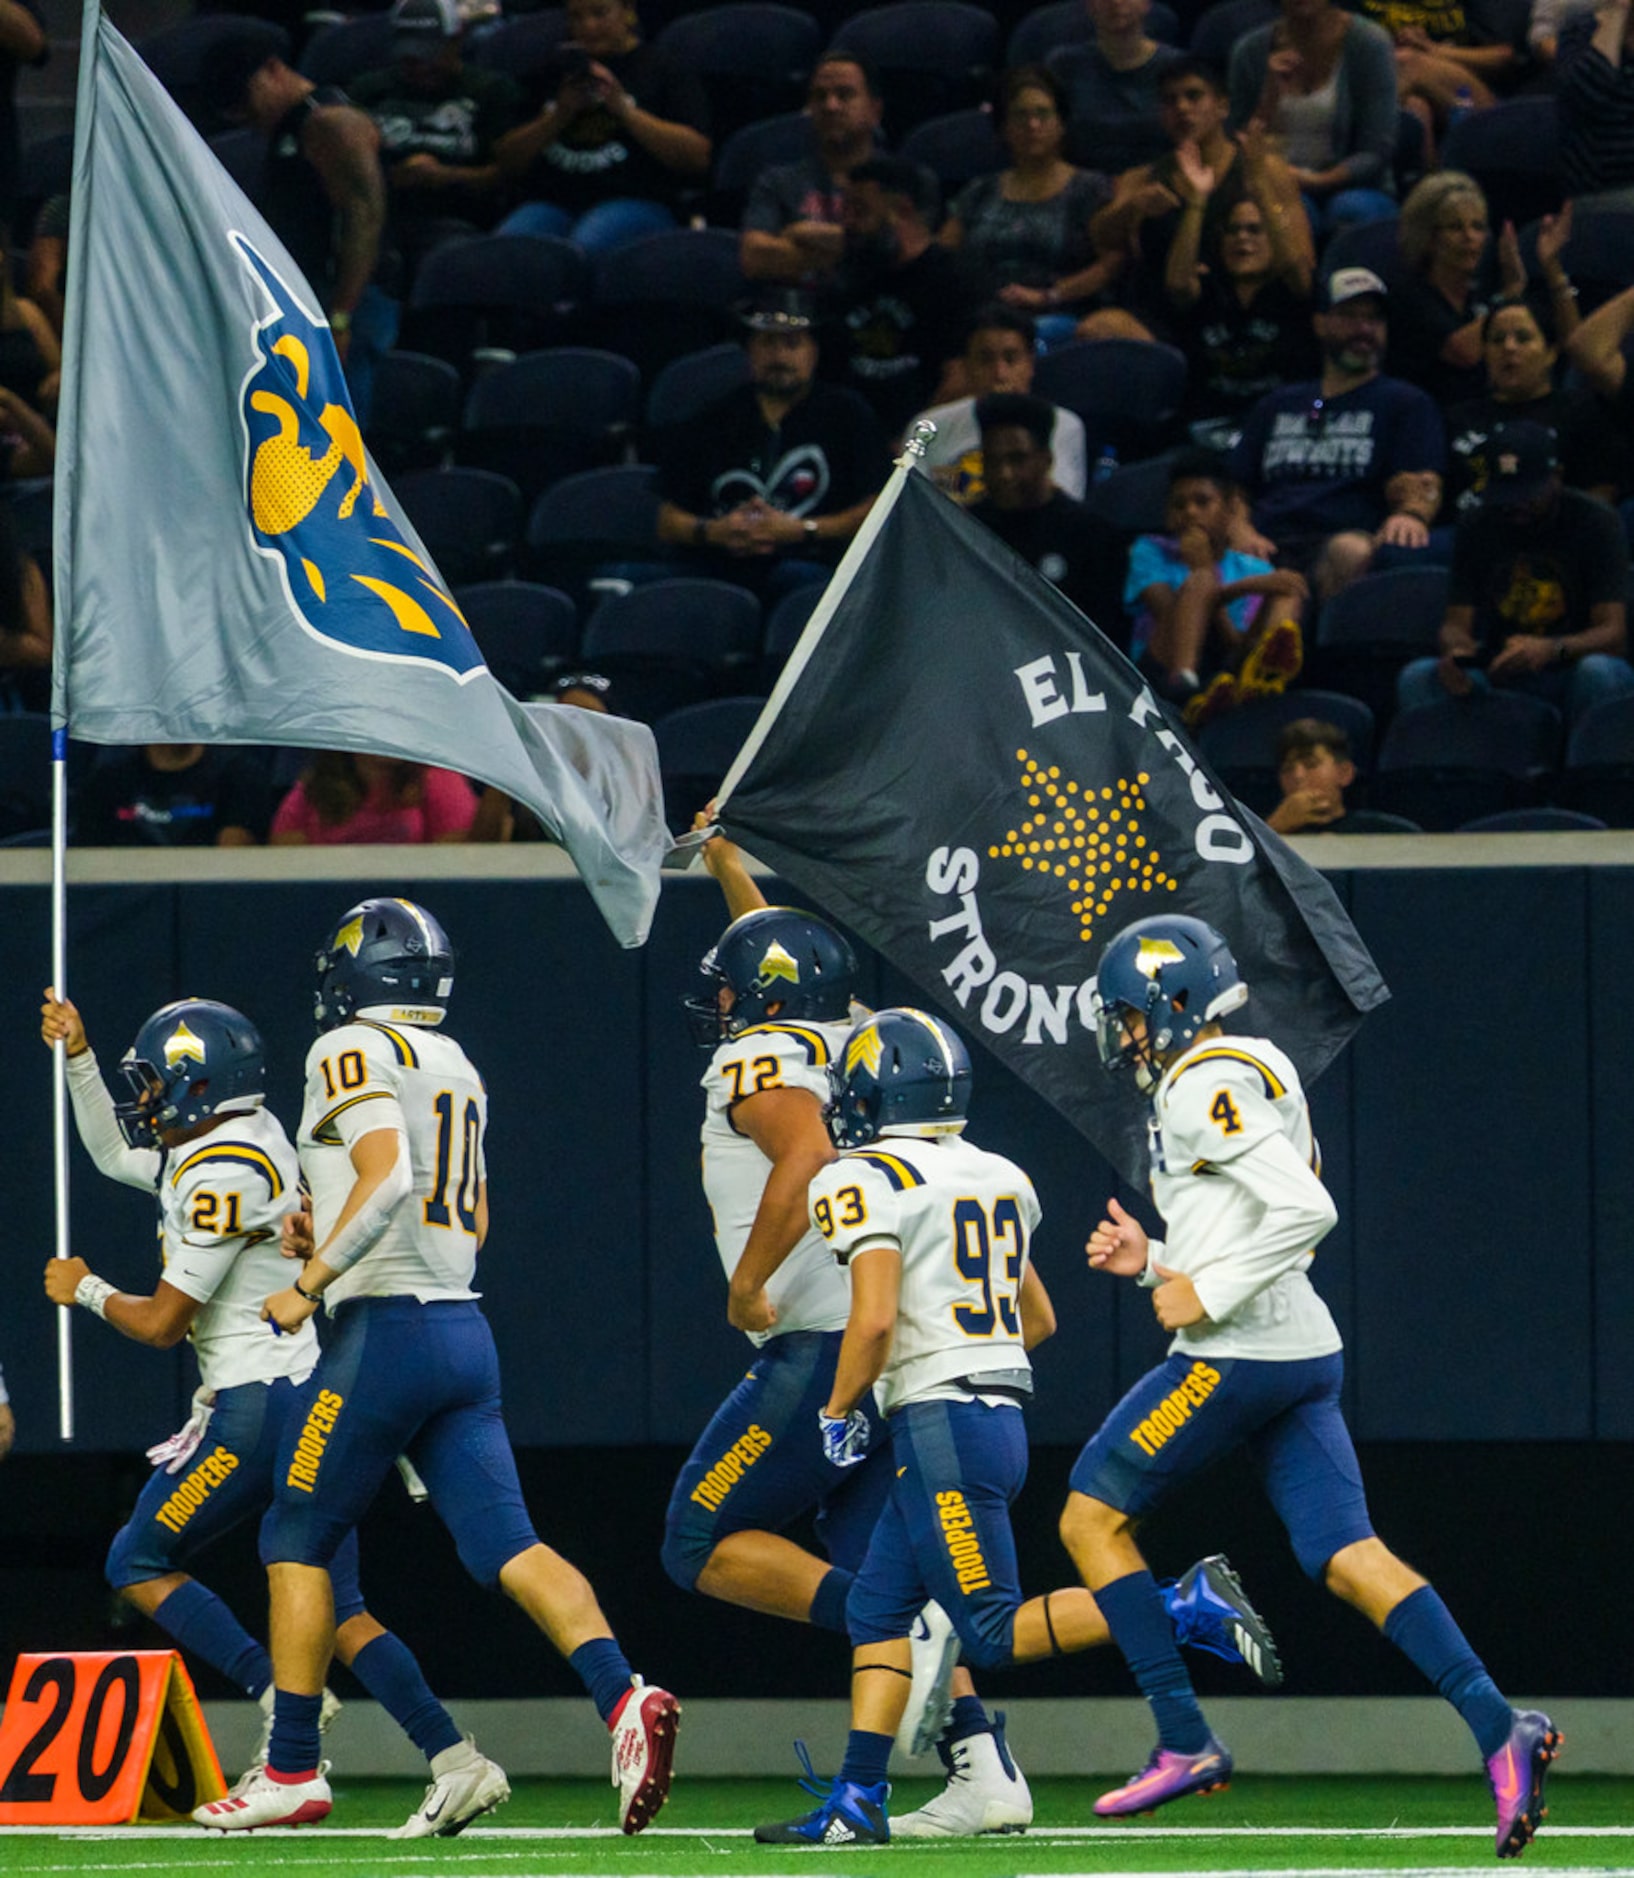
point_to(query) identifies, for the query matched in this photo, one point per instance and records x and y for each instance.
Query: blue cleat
(1516, 1774)
(1210, 1611)
(847, 1814)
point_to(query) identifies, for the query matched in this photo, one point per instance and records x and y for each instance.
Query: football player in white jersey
(391, 1144)
(1255, 1363)
(193, 1131)
(945, 1303)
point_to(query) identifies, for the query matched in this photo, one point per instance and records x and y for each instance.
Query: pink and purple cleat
(1168, 1776)
(1517, 1773)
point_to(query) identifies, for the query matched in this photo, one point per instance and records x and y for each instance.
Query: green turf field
(1283, 1826)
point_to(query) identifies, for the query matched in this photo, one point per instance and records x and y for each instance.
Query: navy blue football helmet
(386, 958)
(903, 1071)
(774, 955)
(191, 1060)
(1177, 975)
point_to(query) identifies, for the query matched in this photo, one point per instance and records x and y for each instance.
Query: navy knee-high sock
(1135, 1614)
(387, 1668)
(1423, 1629)
(198, 1620)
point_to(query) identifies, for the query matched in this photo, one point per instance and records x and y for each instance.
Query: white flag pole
(59, 1069)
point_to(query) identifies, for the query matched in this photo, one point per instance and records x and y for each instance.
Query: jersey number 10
(465, 1188)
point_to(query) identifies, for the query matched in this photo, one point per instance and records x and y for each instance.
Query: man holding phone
(1538, 595)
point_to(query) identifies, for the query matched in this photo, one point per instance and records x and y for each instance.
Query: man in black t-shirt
(1071, 547)
(766, 487)
(172, 795)
(1538, 596)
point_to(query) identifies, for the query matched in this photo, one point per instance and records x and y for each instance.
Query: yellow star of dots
(1088, 838)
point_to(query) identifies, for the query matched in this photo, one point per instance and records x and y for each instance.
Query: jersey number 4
(978, 1242)
(464, 1183)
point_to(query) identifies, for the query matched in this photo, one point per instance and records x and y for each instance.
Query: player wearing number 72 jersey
(391, 1143)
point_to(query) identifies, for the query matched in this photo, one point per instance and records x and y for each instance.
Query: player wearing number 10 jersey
(391, 1143)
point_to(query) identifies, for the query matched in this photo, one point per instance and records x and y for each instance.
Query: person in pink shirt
(347, 798)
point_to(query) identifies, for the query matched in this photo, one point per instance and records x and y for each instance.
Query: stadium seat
(1241, 745)
(550, 414)
(745, 153)
(25, 773)
(1220, 26)
(1368, 631)
(1066, 23)
(958, 147)
(336, 54)
(753, 58)
(415, 412)
(666, 295)
(1448, 763)
(932, 56)
(522, 46)
(33, 506)
(1512, 149)
(1598, 777)
(1135, 497)
(1536, 820)
(1412, 153)
(696, 746)
(692, 383)
(584, 522)
(1365, 244)
(469, 520)
(1598, 256)
(528, 633)
(673, 642)
(1371, 822)
(504, 293)
(1126, 391)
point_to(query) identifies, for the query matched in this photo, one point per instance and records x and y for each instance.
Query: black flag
(964, 770)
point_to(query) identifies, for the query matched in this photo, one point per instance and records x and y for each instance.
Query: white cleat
(985, 1792)
(252, 1774)
(643, 1728)
(456, 1795)
(268, 1802)
(935, 1645)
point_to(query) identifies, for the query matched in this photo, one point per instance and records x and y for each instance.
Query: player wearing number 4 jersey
(1255, 1363)
(192, 1130)
(945, 1304)
(391, 1142)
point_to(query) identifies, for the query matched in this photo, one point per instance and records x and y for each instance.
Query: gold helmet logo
(867, 1048)
(1154, 954)
(181, 1045)
(778, 962)
(350, 936)
(1093, 840)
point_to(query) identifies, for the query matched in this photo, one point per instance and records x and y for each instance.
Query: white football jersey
(222, 1200)
(365, 1076)
(1236, 1175)
(808, 1288)
(963, 1220)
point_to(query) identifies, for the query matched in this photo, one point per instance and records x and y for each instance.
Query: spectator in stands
(1345, 468)
(28, 444)
(25, 623)
(766, 487)
(1521, 352)
(624, 131)
(999, 356)
(1111, 85)
(794, 225)
(1451, 55)
(1323, 83)
(1594, 94)
(1598, 349)
(1314, 769)
(1212, 626)
(8, 1421)
(45, 267)
(1062, 539)
(1539, 589)
(1206, 172)
(30, 351)
(1025, 230)
(1547, 23)
(22, 42)
(1448, 283)
(902, 303)
(1240, 310)
(440, 120)
(344, 797)
(173, 795)
(323, 194)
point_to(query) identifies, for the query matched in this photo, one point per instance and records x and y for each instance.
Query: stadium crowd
(1288, 340)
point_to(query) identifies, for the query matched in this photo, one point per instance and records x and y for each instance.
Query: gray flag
(230, 566)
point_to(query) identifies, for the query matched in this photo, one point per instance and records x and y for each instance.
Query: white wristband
(94, 1293)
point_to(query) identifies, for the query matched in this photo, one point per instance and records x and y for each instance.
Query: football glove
(845, 1438)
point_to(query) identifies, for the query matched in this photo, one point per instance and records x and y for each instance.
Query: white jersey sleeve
(99, 1127)
(854, 1206)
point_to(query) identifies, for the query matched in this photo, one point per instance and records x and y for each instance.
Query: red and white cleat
(268, 1802)
(643, 1728)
